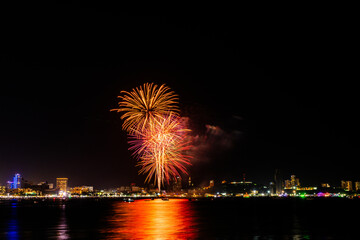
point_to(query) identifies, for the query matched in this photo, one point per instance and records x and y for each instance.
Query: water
(181, 219)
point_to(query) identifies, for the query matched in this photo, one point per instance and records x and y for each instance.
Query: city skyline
(259, 94)
(284, 182)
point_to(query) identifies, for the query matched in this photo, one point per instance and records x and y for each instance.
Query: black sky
(279, 84)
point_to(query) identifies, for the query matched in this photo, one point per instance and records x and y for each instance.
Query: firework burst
(157, 135)
(161, 149)
(144, 104)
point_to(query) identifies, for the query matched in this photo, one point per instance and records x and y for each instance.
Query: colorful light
(160, 149)
(144, 104)
(157, 135)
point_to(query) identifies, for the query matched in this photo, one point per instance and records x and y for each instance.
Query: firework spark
(160, 149)
(145, 104)
(157, 135)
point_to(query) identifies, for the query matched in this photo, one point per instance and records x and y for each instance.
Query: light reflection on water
(153, 219)
(12, 231)
(179, 219)
(62, 227)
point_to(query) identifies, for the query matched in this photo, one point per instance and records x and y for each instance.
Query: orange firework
(161, 149)
(144, 104)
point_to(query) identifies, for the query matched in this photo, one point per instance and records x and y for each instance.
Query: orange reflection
(153, 219)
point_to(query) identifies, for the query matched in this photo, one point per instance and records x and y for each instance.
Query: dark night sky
(280, 86)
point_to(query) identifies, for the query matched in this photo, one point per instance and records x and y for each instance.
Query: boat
(128, 200)
(165, 199)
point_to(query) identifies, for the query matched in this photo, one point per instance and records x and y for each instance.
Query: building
(278, 181)
(16, 183)
(176, 184)
(272, 188)
(235, 188)
(287, 184)
(81, 190)
(61, 184)
(357, 186)
(349, 186)
(135, 189)
(295, 182)
(343, 184)
(2, 190)
(190, 183)
(346, 185)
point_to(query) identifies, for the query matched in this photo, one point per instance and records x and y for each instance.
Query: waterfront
(180, 219)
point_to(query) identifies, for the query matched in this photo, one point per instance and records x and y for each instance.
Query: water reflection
(156, 219)
(62, 227)
(13, 225)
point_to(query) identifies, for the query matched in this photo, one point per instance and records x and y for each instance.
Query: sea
(210, 218)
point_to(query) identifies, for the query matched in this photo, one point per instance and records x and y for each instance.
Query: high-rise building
(357, 186)
(349, 186)
(287, 184)
(346, 185)
(2, 189)
(61, 184)
(272, 188)
(343, 184)
(278, 181)
(16, 183)
(176, 184)
(295, 182)
(190, 183)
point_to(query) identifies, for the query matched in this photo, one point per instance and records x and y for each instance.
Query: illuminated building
(2, 189)
(349, 186)
(211, 183)
(191, 184)
(325, 185)
(294, 182)
(287, 184)
(306, 188)
(357, 186)
(343, 184)
(61, 184)
(16, 183)
(346, 185)
(90, 188)
(81, 190)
